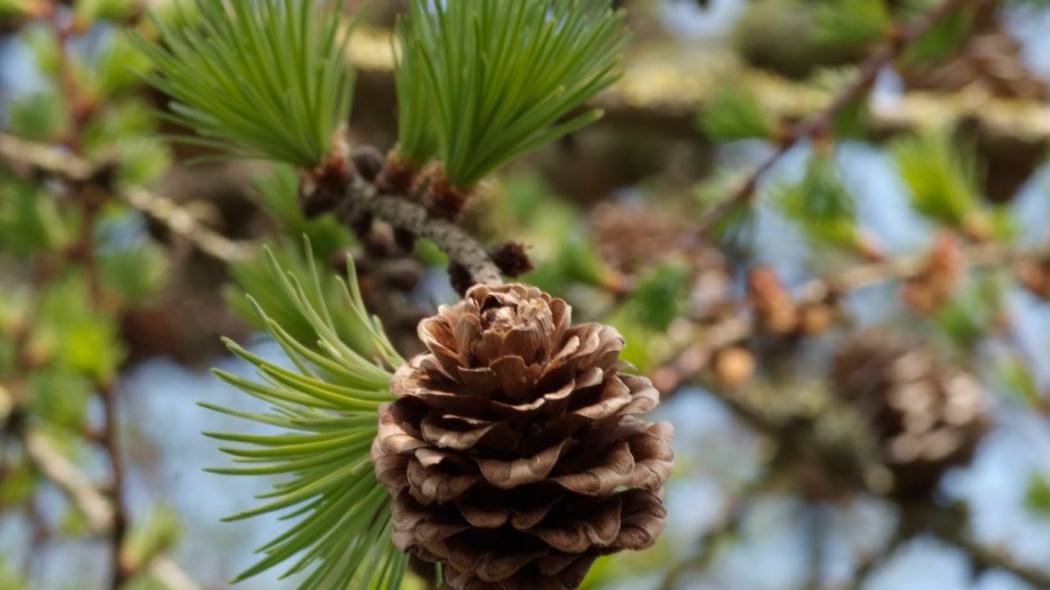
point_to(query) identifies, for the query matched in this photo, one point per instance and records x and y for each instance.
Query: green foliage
(39, 116)
(658, 297)
(9, 580)
(120, 66)
(966, 319)
(1038, 497)
(86, 12)
(59, 398)
(942, 179)
(850, 23)
(736, 228)
(1019, 380)
(820, 205)
(277, 194)
(498, 76)
(133, 273)
(72, 330)
(141, 159)
(327, 408)
(152, 536)
(30, 221)
(735, 113)
(256, 277)
(262, 79)
(944, 39)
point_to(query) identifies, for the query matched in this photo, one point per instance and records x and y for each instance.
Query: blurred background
(821, 225)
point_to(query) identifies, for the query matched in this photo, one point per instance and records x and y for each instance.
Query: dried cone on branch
(513, 451)
(926, 417)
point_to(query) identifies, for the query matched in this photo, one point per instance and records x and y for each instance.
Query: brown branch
(29, 159)
(948, 527)
(738, 326)
(92, 503)
(363, 197)
(820, 122)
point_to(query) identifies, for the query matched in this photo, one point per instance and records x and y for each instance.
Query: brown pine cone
(926, 417)
(513, 453)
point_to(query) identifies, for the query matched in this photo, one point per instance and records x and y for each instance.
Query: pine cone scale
(512, 450)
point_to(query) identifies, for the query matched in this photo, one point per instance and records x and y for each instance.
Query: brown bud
(405, 240)
(460, 278)
(511, 259)
(815, 318)
(773, 305)
(935, 284)
(368, 161)
(734, 366)
(1035, 277)
(444, 200)
(397, 175)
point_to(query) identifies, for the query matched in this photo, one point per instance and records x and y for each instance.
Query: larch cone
(513, 452)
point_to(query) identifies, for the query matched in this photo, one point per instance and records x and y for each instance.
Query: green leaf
(31, 220)
(326, 408)
(851, 23)
(493, 80)
(277, 194)
(60, 398)
(256, 277)
(121, 66)
(86, 12)
(151, 536)
(967, 318)
(40, 116)
(658, 297)
(142, 160)
(944, 39)
(1038, 497)
(736, 228)
(820, 205)
(735, 113)
(257, 79)
(134, 273)
(942, 178)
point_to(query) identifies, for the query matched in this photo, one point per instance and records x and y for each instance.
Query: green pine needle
(326, 407)
(820, 205)
(483, 82)
(257, 78)
(734, 114)
(851, 23)
(942, 179)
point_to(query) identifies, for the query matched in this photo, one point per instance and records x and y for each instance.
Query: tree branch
(29, 159)
(92, 503)
(820, 122)
(462, 249)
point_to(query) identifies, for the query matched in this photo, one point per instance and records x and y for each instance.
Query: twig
(820, 122)
(461, 248)
(727, 527)
(92, 503)
(948, 527)
(738, 326)
(29, 159)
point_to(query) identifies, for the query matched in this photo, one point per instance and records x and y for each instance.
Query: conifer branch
(93, 504)
(29, 159)
(736, 327)
(821, 122)
(363, 197)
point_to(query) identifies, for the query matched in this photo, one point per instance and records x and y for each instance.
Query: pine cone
(925, 417)
(513, 453)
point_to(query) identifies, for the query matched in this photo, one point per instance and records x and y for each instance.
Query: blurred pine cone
(926, 417)
(512, 451)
